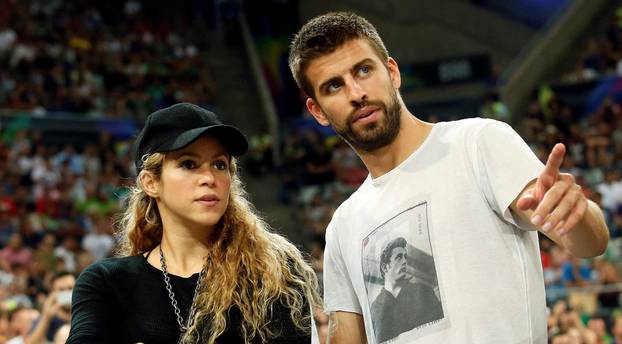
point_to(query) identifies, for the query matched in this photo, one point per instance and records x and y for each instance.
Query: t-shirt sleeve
(505, 165)
(339, 294)
(91, 310)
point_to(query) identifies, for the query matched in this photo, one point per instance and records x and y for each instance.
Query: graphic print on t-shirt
(400, 277)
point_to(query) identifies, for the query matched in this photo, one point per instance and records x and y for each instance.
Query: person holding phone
(197, 264)
(55, 311)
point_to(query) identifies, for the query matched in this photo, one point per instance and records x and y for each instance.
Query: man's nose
(356, 92)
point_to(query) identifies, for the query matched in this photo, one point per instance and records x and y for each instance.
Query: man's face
(22, 321)
(64, 283)
(617, 327)
(356, 93)
(397, 269)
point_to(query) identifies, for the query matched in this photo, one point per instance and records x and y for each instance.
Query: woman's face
(193, 190)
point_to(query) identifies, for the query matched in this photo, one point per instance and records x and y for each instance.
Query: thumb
(540, 189)
(527, 201)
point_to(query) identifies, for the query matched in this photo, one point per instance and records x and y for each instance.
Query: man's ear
(315, 109)
(394, 73)
(149, 184)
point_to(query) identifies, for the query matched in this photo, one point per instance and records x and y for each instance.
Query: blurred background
(77, 79)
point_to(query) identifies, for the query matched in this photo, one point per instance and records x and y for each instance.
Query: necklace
(167, 280)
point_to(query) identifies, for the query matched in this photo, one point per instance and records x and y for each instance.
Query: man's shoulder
(470, 124)
(354, 199)
(381, 300)
(468, 132)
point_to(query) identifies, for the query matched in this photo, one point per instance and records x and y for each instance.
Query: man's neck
(411, 136)
(393, 288)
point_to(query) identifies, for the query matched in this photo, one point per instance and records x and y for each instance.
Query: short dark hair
(60, 274)
(385, 257)
(322, 35)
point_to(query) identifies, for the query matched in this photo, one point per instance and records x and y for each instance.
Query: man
(392, 311)
(475, 185)
(56, 309)
(20, 322)
(616, 330)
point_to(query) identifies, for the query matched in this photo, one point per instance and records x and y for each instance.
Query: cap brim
(229, 136)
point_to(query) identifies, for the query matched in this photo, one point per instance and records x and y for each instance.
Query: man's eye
(364, 70)
(220, 165)
(187, 164)
(333, 87)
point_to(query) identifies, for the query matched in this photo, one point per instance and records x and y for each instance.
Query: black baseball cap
(177, 126)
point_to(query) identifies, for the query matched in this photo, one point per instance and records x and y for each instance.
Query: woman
(198, 265)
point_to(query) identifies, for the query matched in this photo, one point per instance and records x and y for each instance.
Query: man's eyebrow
(359, 64)
(365, 61)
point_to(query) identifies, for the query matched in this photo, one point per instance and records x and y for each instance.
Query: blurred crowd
(56, 208)
(114, 59)
(602, 53)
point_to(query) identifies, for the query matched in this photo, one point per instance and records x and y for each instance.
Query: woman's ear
(149, 184)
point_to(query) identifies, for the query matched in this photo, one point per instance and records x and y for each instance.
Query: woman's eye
(220, 165)
(187, 164)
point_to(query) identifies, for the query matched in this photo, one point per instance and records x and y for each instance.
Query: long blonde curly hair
(248, 266)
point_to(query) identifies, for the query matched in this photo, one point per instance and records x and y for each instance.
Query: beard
(373, 136)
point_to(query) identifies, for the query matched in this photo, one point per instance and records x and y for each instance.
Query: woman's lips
(209, 201)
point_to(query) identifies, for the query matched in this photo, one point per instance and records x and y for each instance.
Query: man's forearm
(346, 328)
(38, 334)
(590, 236)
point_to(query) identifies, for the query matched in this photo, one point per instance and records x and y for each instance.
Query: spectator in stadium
(100, 242)
(319, 167)
(565, 326)
(62, 334)
(20, 322)
(616, 330)
(15, 253)
(68, 253)
(349, 169)
(56, 309)
(197, 262)
(607, 275)
(478, 183)
(598, 327)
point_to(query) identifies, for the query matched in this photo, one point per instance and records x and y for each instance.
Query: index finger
(553, 163)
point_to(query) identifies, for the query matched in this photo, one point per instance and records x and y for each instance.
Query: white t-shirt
(99, 245)
(612, 194)
(16, 340)
(467, 272)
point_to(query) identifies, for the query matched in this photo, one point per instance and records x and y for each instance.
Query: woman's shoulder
(116, 267)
